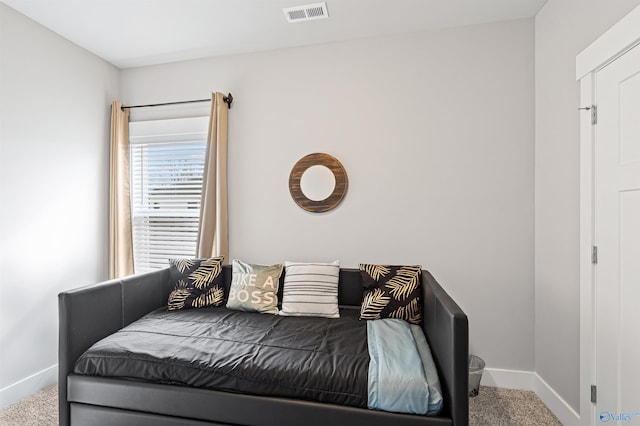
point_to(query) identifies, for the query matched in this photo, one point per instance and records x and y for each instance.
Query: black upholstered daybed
(92, 313)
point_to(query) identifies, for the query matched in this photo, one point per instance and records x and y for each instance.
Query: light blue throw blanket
(402, 374)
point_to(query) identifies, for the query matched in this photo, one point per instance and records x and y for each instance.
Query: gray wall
(435, 130)
(54, 131)
(563, 28)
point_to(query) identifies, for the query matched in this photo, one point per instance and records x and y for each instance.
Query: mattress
(319, 359)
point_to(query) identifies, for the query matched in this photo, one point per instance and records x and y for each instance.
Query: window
(167, 162)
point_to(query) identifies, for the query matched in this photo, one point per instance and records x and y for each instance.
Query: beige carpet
(508, 407)
(493, 406)
(39, 409)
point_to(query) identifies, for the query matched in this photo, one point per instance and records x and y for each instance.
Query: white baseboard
(28, 386)
(529, 380)
(558, 406)
(510, 379)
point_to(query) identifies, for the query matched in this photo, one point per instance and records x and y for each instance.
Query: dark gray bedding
(317, 359)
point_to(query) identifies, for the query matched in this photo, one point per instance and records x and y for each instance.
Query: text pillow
(254, 288)
(391, 292)
(311, 289)
(196, 283)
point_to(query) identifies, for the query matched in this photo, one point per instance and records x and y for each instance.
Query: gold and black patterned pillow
(196, 283)
(391, 292)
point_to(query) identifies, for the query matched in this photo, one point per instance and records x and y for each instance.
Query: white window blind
(167, 162)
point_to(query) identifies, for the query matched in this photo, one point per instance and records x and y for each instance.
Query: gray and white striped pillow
(311, 289)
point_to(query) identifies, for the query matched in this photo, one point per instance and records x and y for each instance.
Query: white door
(617, 236)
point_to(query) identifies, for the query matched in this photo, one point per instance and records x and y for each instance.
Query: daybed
(91, 313)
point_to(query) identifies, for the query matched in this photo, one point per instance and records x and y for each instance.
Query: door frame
(619, 39)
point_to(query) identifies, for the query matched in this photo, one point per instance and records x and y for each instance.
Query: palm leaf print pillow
(391, 292)
(196, 283)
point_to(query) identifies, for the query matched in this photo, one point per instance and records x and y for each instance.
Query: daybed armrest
(90, 313)
(447, 330)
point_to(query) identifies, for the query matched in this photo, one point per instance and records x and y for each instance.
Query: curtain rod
(228, 99)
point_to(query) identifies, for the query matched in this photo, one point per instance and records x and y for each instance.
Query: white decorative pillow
(311, 289)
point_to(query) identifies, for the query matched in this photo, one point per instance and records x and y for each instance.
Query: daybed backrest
(350, 289)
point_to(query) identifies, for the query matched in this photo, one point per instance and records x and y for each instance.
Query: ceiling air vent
(306, 13)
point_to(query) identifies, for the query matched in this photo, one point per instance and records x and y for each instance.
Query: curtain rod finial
(228, 99)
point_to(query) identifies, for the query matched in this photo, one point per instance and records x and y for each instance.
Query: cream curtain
(213, 232)
(120, 239)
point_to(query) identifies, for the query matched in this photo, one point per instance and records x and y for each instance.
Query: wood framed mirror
(318, 182)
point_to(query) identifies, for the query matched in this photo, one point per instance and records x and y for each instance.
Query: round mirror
(317, 183)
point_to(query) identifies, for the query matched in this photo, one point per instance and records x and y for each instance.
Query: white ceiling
(129, 33)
